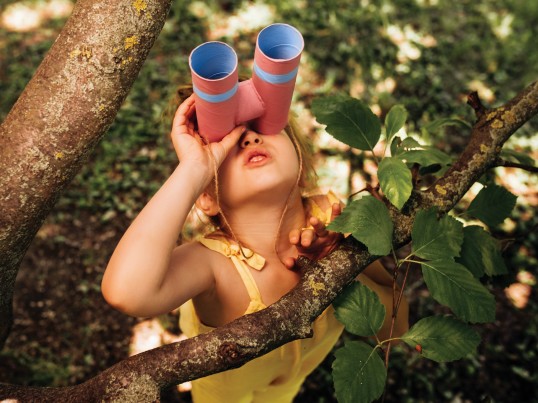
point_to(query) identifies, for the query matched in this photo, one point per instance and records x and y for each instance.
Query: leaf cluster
(453, 258)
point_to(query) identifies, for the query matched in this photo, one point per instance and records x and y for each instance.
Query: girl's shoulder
(198, 254)
(192, 251)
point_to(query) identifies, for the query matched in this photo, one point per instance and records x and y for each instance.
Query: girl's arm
(146, 274)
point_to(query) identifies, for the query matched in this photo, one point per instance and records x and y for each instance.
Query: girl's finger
(191, 110)
(307, 237)
(183, 112)
(223, 147)
(336, 210)
(319, 227)
(232, 138)
(289, 262)
(295, 236)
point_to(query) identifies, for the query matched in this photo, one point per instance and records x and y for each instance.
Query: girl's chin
(262, 192)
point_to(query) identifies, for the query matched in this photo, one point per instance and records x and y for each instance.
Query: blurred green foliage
(425, 54)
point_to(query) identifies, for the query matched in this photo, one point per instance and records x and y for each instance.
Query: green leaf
(434, 126)
(453, 285)
(492, 205)
(427, 157)
(516, 156)
(348, 120)
(360, 310)
(394, 121)
(398, 146)
(369, 222)
(480, 253)
(395, 180)
(442, 338)
(409, 143)
(395, 146)
(433, 239)
(359, 373)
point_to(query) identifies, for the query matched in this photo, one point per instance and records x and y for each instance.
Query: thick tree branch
(491, 130)
(141, 377)
(63, 112)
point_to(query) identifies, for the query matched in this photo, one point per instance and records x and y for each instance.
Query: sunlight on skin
(26, 16)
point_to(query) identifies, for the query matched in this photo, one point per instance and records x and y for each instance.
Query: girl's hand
(190, 146)
(316, 242)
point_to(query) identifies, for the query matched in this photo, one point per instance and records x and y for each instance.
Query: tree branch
(226, 347)
(142, 376)
(491, 130)
(499, 162)
(63, 112)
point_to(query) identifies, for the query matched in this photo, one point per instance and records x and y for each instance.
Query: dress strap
(223, 246)
(243, 261)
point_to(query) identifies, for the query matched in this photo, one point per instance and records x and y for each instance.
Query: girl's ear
(207, 204)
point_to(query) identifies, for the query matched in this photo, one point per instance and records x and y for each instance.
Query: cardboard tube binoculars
(223, 103)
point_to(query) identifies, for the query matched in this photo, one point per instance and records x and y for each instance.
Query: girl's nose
(251, 138)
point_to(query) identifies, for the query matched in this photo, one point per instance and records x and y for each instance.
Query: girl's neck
(265, 228)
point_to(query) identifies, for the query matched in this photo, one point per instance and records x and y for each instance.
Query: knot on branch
(230, 352)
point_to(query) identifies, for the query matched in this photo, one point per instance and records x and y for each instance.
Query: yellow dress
(277, 376)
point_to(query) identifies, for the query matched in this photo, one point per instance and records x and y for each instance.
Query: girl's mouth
(256, 157)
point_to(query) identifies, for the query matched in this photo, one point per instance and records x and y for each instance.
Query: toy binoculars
(222, 103)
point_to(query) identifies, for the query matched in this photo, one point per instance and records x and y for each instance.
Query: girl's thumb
(231, 139)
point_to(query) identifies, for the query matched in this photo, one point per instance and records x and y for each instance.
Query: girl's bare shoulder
(204, 251)
(193, 251)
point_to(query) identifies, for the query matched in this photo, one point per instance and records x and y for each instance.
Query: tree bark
(141, 377)
(62, 114)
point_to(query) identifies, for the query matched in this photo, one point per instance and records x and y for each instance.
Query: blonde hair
(302, 144)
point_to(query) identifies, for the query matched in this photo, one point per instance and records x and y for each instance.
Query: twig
(395, 306)
(474, 100)
(373, 190)
(499, 162)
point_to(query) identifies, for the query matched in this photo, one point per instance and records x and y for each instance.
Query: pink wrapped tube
(276, 63)
(215, 84)
(222, 103)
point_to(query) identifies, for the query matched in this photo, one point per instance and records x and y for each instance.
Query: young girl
(251, 186)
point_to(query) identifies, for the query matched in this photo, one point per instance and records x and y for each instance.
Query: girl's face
(260, 167)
